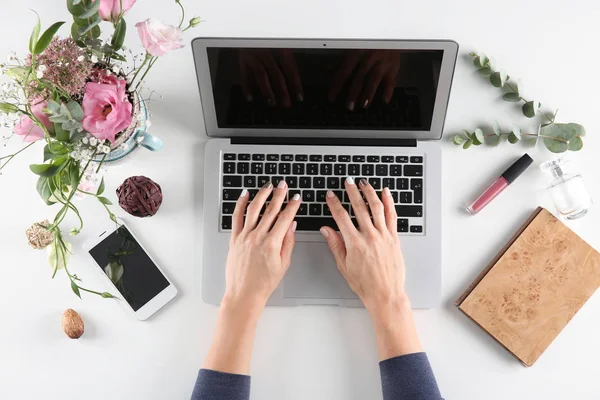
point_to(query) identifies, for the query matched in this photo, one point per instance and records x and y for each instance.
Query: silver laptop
(313, 112)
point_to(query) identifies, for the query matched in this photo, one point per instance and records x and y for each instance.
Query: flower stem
(148, 57)
(11, 156)
(146, 73)
(182, 13)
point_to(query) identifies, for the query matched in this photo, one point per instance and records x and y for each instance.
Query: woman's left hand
(260, 252)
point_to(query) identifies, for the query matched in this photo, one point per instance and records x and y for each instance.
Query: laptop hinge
(298, 141)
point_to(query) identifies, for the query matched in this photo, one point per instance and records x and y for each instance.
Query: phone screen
(130, 269)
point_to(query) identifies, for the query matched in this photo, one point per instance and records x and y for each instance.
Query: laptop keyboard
(311, 175)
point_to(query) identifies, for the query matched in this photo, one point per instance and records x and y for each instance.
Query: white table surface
(306, 352)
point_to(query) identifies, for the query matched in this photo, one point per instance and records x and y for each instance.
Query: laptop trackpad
(314, 275)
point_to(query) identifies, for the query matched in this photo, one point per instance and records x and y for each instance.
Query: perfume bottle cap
(515, 170)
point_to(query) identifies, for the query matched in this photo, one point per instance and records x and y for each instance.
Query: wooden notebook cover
(534, 286)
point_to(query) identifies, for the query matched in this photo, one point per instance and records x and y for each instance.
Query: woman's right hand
(369, 257)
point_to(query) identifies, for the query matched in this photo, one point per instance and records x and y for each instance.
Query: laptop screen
(324, 89)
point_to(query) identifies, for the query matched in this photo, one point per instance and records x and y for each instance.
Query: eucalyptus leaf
(47, 37)
(85, 29)
(61, 134)
(483, 60)
(514, 97)
(478, 135)
(557, 137)
(35, 35)
(473, 54)
(503, 77)
(576, 143)
(458, 140)
(516, 131)
(519, 87)
(529, 109)
(476, 61)
(116, 56)
(512, 138)
(76, 9)
(91, 10)
(75, 35)
(64, 111)
(496, 80)
(496, 128)
(485, 71)
(75, 110)
(467, 144)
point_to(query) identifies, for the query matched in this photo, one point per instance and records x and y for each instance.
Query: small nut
(72, 324)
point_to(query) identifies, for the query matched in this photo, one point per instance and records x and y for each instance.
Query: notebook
(533, 287)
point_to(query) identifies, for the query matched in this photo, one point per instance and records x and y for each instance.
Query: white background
(306, 352)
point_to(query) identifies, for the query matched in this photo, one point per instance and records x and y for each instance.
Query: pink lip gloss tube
(508, 177)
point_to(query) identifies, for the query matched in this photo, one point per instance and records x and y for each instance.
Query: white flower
(40, 74)
(80, 58)
(94, 59)
(116, 70)
(42, 68)
(85, 140)
(93, 141)
(104, 149)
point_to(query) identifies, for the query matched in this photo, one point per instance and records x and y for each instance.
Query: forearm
(395, 329)
(231, 348)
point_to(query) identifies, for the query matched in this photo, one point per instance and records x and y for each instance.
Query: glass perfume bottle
(567, 189)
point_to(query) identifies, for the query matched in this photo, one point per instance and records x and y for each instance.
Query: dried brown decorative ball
(38, 236)
(72, 324)
(140, 196)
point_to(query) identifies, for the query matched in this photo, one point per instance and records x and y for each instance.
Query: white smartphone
(142, 287)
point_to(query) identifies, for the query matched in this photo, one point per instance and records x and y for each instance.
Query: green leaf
(76, 9)
(117, 56)
(8, 108)
(557, 137)
(107, 295)
(473, 54)
(91, 10)
(45, 189)
(75, 110)
(512, 138)
(61, 134)
(503, 77)
(74, 175)
(514, 97)
(96, 31)
(458, 140)
(58, 257)
(100, 188)
(576, 143)
(477, 62)
(483, 60)
(467, 144)
(516, 131)
(75, 2)
(119, 35)
(104, 200)
(496, 80)
(35, 35)
(75, 289)
(54, 150)
(46, 38)
(485, 71)
(496, 128)
(478, 137)
(48, 170)
(18, 74)
(529, 109)
(519, 87)
(76, 36)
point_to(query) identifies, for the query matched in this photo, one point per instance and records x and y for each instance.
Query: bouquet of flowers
(78, 97)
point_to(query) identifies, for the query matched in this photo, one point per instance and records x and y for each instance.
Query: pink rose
(106, 109)
(110, 9)
(28, 129)
(157, 38)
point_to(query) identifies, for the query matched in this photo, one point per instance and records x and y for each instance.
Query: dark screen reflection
(324, 88)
